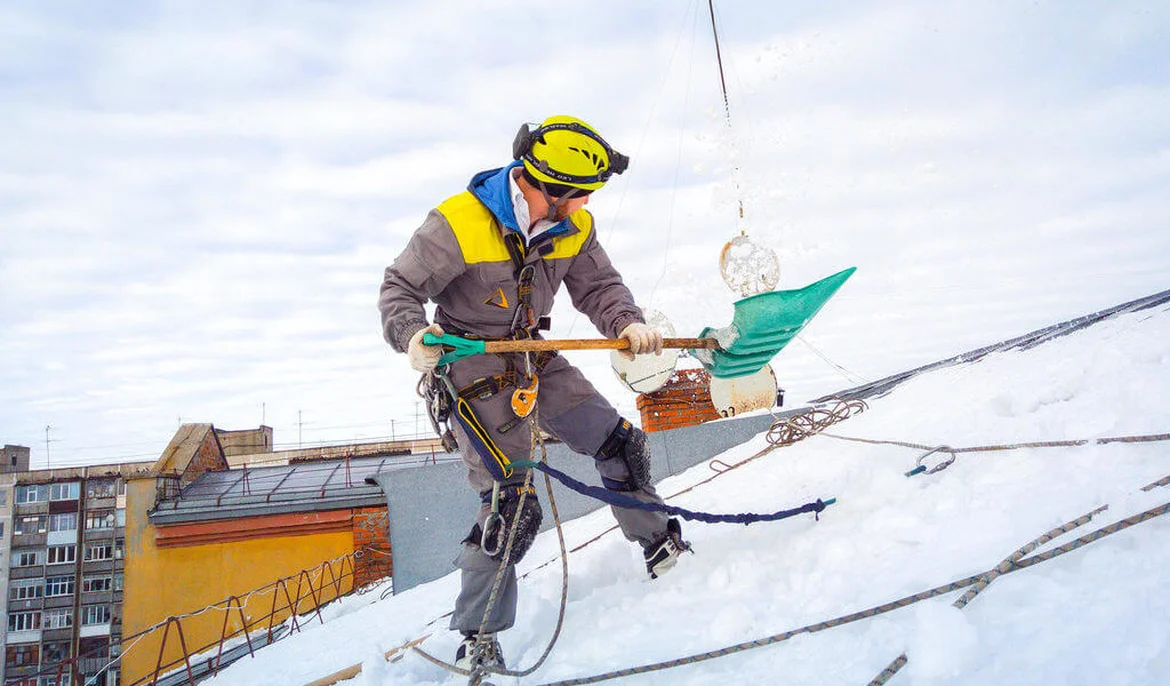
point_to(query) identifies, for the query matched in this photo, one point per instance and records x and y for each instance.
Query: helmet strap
(554, 203)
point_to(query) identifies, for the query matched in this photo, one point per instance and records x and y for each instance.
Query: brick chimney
(684, 400)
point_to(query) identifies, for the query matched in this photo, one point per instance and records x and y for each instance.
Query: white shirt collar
(520, 209)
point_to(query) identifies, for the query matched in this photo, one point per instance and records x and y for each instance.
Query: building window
(100, 519)
(118, 581)
(21, 655)
(31, 525)
(95, 614)
(100, 489)
(59, 619)
(95, 584)
(31, 494)
(98, 551)
(62, 554)
(27, 558)
(58, 586)
(66, 521)
(25, 589)
(55, 651)
(24, 621)
(67, 491)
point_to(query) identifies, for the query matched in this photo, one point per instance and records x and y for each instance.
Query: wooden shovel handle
(591, 344)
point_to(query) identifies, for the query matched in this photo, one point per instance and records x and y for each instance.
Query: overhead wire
(849, 376)
(691, 7)
(735, 174)
(678, 159)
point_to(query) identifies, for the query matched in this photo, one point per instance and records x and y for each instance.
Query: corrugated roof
(300, 487)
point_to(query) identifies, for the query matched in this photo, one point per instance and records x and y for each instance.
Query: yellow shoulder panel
(569, 246)
(475, 228)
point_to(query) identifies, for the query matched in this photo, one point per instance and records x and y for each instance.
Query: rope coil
(788, 430)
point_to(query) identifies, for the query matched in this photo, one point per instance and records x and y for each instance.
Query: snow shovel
(761, 326)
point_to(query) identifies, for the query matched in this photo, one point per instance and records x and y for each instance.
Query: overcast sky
(197, 199)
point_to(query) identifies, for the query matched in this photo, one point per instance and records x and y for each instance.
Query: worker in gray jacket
(492, 259)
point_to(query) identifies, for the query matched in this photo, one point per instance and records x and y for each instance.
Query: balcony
(93, 665)
(92, 630)
(29, 572)
(57, 602)
(98, 566)
(31, 509)
(31, 539)
(64, 633)
(61, 537)
(101, 502)
(101, 534)
(25, 605)
(32, 636)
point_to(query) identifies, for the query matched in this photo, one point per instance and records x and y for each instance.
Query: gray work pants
(570, 408)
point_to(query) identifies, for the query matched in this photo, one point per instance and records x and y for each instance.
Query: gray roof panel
(282, 489)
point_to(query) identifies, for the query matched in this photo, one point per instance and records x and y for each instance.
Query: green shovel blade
(460, 347)
(763, 324)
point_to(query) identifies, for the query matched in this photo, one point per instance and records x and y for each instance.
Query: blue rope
(620, 500)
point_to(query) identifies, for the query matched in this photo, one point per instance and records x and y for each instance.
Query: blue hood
(491, 187)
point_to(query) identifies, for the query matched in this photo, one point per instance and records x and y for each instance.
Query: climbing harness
(477, 675)
(525, 385)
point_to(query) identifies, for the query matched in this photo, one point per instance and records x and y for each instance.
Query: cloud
(197, 201)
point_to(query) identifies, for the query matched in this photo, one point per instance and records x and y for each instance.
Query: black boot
(662, 555)
(491, 656)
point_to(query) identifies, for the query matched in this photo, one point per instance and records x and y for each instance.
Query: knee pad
(493, 536)
(624, 458)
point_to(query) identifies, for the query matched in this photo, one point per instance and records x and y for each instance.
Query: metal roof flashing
(283, 489)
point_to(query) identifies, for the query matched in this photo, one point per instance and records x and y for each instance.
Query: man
(492, 259)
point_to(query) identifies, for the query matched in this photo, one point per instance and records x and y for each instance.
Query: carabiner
(490, 539)
(921, 468)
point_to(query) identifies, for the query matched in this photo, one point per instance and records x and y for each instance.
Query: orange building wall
(179, 578)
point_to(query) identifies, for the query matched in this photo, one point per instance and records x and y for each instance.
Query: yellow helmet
(565, 151)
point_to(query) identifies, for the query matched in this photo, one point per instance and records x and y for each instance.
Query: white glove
(642, 338)
(423, 358)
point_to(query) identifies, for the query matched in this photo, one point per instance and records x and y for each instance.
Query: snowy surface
(1094, 616)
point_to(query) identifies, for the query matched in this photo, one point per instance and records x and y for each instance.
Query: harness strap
(508, 493)
(516, 251)
(482, 389)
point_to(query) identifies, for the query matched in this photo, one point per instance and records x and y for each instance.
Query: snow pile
(1096, 615)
